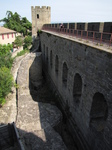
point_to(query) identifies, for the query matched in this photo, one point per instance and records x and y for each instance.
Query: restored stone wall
(82, 75)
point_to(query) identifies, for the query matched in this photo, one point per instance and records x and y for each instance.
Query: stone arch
(99, 112)
(56, 64)
(77, 88)
(64, 74)
(51, 58)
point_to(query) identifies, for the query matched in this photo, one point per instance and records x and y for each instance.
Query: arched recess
(56, 64)
(51, 58)
(77, 88)
(65, 74)
(99, 112)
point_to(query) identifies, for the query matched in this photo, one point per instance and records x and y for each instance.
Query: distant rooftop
(4, 30)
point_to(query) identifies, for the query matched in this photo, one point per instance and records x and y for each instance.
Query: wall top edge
(41, 7)
(79, 22)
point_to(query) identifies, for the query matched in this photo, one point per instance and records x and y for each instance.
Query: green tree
(17, 23)
(6, 82)
(5, 49)
(6, 60)
(18, 41)
(27, 41)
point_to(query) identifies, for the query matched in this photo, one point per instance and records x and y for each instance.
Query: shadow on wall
(40, 139)
(50, 116)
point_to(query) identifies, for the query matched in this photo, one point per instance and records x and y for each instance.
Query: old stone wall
(35, 71)
(82, 75)
(40, 16)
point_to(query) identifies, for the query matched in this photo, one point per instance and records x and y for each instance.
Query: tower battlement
(40, 16)
(41, 8)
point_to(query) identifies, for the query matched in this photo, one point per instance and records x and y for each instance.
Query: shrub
(4, 49)
(6, 82)
(6, 60)
(27, 41)
(18, 41)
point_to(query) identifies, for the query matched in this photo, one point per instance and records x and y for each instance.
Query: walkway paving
(35, 120)
(88, 42)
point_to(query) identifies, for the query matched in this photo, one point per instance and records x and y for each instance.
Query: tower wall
(40, 16)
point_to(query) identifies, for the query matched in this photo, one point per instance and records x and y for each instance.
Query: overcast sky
(62, 10)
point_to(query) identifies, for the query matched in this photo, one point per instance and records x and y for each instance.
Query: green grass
(23, 52)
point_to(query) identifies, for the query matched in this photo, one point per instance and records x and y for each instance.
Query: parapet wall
(82, 76)
(87, 26)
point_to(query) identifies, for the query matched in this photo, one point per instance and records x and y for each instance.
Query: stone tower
(40, 16)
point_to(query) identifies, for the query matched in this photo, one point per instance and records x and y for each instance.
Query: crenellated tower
(40, 16)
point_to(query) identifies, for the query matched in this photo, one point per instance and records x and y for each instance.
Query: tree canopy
(17, 23)
(6, 79)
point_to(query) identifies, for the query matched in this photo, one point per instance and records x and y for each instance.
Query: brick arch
(56, 64)
(99, 112)
(77, 88)
(64, 74)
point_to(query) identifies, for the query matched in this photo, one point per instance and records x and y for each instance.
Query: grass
(101, 44)
(23, 52)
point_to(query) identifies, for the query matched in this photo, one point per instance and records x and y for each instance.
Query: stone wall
(40, 16)
(82, 76)
(35, 71)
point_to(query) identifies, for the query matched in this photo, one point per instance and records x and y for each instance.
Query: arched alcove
(56, 64)
(77, 88)
(51, 58)
(64, 74)
(99, 112)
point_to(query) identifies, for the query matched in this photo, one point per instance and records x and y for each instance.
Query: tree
(6, 60)
(27, 41)
(18, 41)
(5, 49)
(15, 22)
(6, 82)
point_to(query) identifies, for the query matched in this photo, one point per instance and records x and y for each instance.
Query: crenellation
(40, 16)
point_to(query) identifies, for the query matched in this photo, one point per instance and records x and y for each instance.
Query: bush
(4, 49)
(6, 60)
(6, 82)
(27, 41)
(18, 41)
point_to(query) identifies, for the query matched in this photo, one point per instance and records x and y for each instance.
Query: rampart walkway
(35, 121)
(101, 41)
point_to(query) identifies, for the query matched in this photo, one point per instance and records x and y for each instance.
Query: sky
(62, 10)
